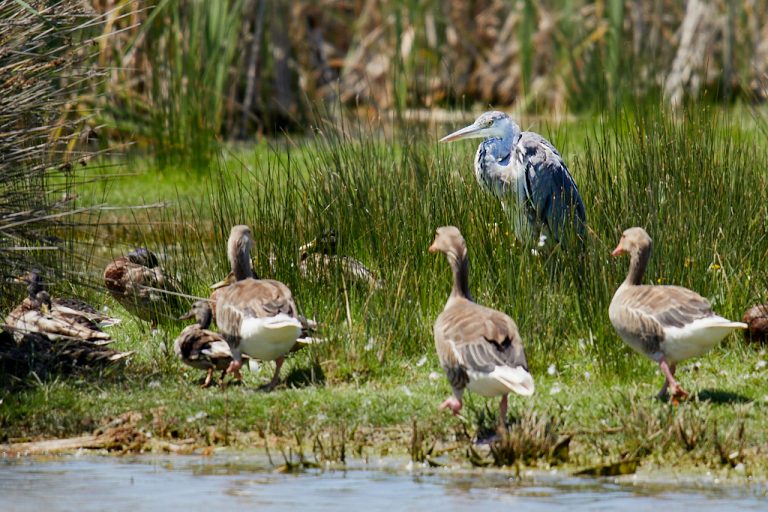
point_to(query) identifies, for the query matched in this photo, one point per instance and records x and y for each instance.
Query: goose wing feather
(252, 298)
(470, 337)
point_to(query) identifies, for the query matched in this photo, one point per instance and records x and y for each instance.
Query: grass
(697, 184)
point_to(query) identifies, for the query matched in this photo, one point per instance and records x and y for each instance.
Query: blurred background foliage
(184, 73)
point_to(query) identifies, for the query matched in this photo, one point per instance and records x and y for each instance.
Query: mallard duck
(756, 319)
(37, 314)
(67, 307)
(478, 347)
(320, 258)
(667, 324)
(137, 281)
(256, 316)
(200, 348)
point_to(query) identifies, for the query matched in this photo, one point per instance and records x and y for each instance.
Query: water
(150, 482)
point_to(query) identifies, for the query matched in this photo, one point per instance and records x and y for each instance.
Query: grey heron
(528, 175)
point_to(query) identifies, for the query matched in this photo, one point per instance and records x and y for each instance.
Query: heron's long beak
(619, 250)
(471, 131)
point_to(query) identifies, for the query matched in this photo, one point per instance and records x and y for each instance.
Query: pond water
(149, 482)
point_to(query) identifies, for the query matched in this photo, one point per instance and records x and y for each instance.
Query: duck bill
(307, 246)
(471, 131)
(220, 284)
(618, 251)
(187, 316)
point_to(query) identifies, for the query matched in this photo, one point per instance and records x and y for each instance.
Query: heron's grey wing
(553, 196)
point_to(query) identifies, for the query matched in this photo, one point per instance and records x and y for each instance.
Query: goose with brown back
(256, 316)
(478, 347)
(667, 324)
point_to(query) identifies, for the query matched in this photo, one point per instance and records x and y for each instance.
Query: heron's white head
(490, 124)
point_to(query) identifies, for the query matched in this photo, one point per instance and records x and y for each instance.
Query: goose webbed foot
(452, 403)
(671, 388)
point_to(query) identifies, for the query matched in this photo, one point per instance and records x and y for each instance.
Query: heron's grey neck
(240, 259)
(638, 261)
(460, 266)
(499, 149)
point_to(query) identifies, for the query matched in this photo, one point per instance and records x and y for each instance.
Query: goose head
(633, 241)
(449, 241)
(201, 312)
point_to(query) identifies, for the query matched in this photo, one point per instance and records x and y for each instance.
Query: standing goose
(665, 323)
(256, 316)
(200, 348)
(309, 326)
(479, 348)
(137, 281)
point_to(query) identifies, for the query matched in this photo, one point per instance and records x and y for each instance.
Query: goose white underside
(695, 339)
(502, 380)
(268, 338)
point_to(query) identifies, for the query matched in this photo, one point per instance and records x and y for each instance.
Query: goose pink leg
(503, 409)
(670, 385)
(452, 403)
(276, 378)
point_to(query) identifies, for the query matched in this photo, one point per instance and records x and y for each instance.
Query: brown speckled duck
(478, 347)
(320, 258)
(667, 324)
(200, 348)
(37, 313)
(756, 319)
(74, 309)
(137, 281)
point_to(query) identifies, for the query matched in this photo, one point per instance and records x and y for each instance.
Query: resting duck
(37, 314)
(200, 348)
(319, 257)
(75, 309)
(478, 347)
(256, 316)
(667, 324)
(136, 280)
(756, 319)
